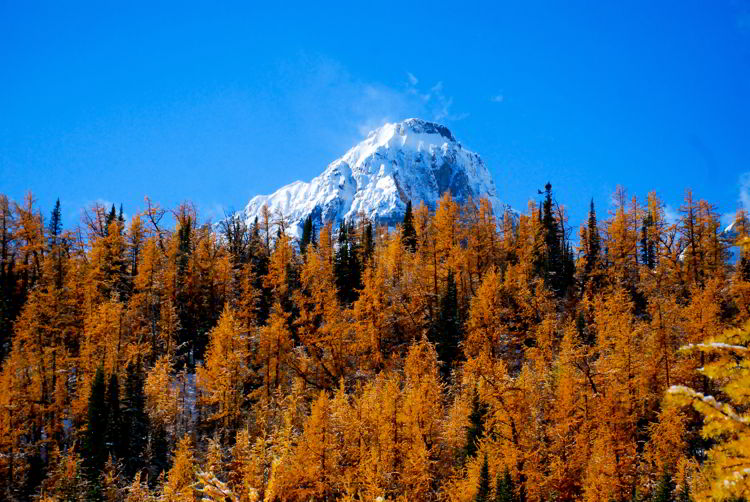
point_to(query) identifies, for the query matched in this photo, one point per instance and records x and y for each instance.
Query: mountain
(412, 160)
(730, 234)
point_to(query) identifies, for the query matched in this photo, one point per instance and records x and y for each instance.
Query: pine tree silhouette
(408, 232)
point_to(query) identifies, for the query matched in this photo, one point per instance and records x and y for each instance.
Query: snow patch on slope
(411, 160)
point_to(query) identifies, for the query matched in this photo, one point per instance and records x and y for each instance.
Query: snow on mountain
(730, 233)
(412, 160)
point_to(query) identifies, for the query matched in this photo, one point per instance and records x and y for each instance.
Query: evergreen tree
(307, 234)
(95, 445)
(594, 247)
(347, 265)
(554, 267)
(54, 228)
(447, 331)
(475, 431)
(368, 243)
(505, 490)
(483, 491)
(54, 231)
(569, 265)
(34, 476)
(648, 253)
(189, 347)
(408, 232)
(112, 216)
(114, 432)
(684, 494)
(134, 419)
(159, 450)
(664, 489)
(355, 265)
(341, 263)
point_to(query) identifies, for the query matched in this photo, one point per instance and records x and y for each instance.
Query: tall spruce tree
(355, 265)
(341, 263)
(648, 248)
(112, 216)
(505, 490)
(447, 331)
(348, 265)
(54, 228)
(475, 431)
(483, 490)
(190, 346)
(408, 232)
(158, 461)
(555, 277)
(95, 439)
(115, 439)
(368, 243)
(664, 489)
(54, 242)
(134, 419)
(307, 234)
(594, 247)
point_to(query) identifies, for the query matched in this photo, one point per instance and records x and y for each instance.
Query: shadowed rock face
(411, 160)
(423, 127)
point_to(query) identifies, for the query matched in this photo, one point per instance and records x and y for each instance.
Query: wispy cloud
(497, 98)
(743, 198)
(328, 102)
(438, 105)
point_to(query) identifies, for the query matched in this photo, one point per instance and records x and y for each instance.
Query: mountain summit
(412, 160)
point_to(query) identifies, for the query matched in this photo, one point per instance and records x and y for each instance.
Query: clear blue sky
(218, 103)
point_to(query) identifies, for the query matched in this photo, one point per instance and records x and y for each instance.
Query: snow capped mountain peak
(413, 160)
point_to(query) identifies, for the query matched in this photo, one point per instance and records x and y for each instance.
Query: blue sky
(107, 101)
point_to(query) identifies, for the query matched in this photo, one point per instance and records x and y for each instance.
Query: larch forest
(455, 357)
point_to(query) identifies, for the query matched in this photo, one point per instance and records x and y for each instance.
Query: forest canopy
(459, 356)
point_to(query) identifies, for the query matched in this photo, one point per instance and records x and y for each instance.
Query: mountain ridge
(414, 159)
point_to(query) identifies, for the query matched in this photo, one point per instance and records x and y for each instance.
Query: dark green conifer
(553, 259)
(447, 331)
(54, 241)
(594, 243)
(112, 216)
(348, 265)
(95, 445)
(368, 243)
(159, 452)
(505, 490)
(408, 232)
(135, 423)
(475, 431)
(307, 234)
(664, 489)
(114, 433)
(648, 248)
(483, 490)
(54, 228)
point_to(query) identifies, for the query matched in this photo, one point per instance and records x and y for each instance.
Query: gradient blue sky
(115, 101)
